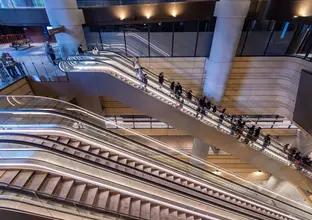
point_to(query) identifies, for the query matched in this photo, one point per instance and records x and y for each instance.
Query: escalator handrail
(168, 82)
(63, 153)
(174, 100)
(163, 153)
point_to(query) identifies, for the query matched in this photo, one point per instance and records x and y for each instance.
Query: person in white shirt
(95, 51)
(136, 64)
(140, 77)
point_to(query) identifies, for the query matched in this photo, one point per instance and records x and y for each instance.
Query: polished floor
(35, 61)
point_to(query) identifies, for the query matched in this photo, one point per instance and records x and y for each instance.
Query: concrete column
(91, 103)
(66, 13)
(199, 150)
(231, 16)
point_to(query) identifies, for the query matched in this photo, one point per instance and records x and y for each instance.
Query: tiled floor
(36, 63)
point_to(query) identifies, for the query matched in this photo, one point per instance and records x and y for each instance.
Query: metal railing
(122, 69)
(9, 38)
(143, 122)
(46, 113)
(21, 3)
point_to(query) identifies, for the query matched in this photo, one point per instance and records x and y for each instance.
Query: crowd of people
(238, 125)
(9, 68)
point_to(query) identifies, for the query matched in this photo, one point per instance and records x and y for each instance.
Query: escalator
(33, 128)
(112, 75)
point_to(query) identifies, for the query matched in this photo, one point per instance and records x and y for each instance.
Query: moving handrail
(222, 194)
(193, 193)
(194, 100)
(166, 96)
(28, 103)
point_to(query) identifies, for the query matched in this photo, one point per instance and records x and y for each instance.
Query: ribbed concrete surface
(264, 85)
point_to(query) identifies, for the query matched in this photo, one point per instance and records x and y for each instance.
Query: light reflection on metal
(100, 118)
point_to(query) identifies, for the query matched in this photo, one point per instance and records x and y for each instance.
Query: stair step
(190, 217)
(74, 143)
(173, 214)
(135, 207)
(63, 140)
(8, 176)
(123, 160)
(124, 206)
(105, 154)
(36, 181)
(155, 212)
(64, 188)
(47, 144)
(101, 199)
(113, 202)
(54, 138)
(59, 147)
(50, 184)
(139, 166)
(131, 163)
(148, 169)
(22, 178)
(113, 157)
(181, 216)
(77, 191)
(164, 213)
(85, 147)
(145, 212)
(95, 151)
(90, 195)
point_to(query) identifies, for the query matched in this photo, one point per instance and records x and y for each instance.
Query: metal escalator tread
(173, 214)
(135, 207)
(139, 166)
(36, 180)
(90, 195)
(124, 206)
(164, 213)
(77, 191)
(50, 184)
(105, 154)
(54, 138)
(155, 212)
(145, 211)
(63, 140)
(47, 144)
(123, 160)
(22, 178)
(113, 201)
(74, 143)
(8, 176)
(85, 147)
(102, 198)
(113, 157)
(190, 217)
(95, 151)
(181, 216)
(64, 188)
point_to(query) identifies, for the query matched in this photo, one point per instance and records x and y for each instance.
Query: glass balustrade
(121, 68)
(46, 113)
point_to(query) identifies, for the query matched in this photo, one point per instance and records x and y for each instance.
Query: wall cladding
(264, 85)
(20, 87)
